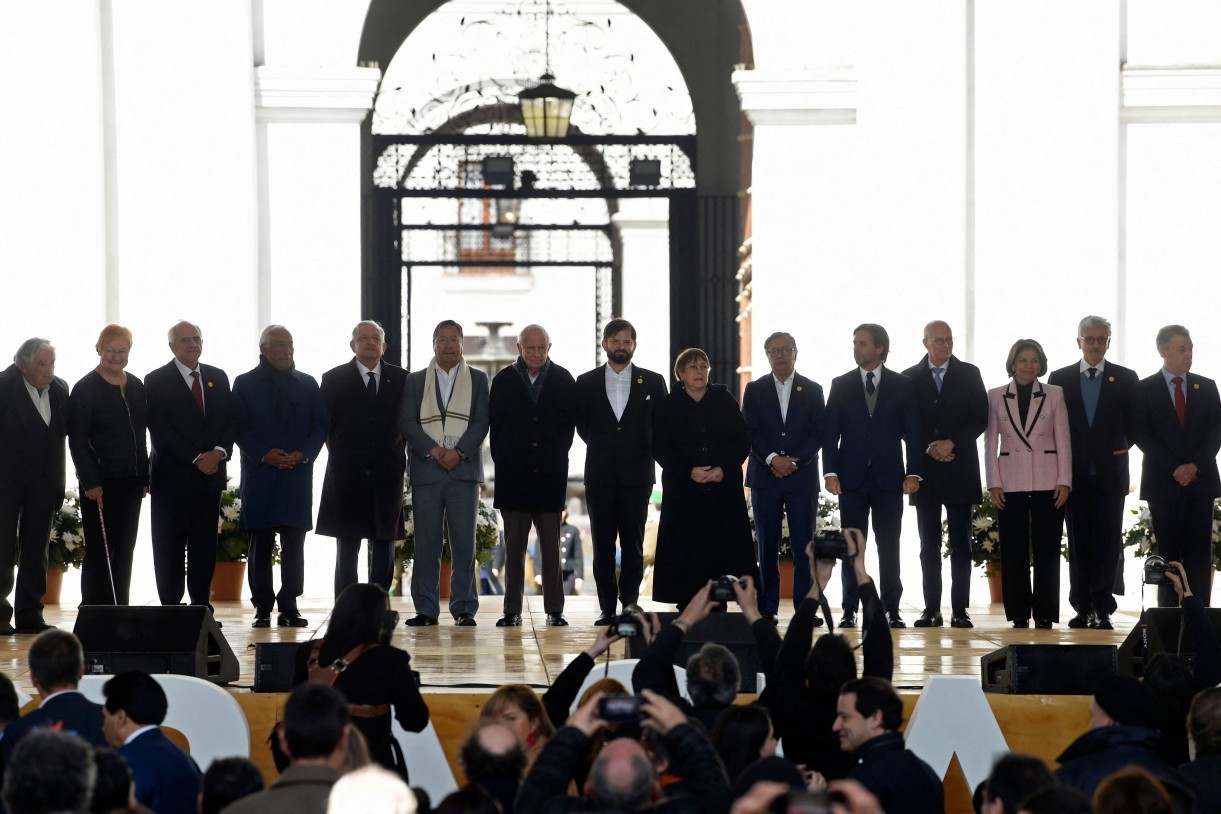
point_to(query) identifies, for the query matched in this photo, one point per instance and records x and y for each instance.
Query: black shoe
(512, 620)
(1102, 621)
(1083, 619)
(771, 617)
(293, 619)
(962, 619)
(894, 619)
(848, 619)
(604, 619)
(7, 629)
(557, 620)
(930, 619)
(420, 620)
(1042, 624)
(816, 621)
(465, 620)
(33, 626)
(261, 620)
(1021, 623)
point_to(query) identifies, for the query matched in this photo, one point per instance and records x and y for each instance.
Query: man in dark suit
(57, 663)
(953, 406)
(190, 420)
(871, 412)
(783, 411)
(33, 425)
(1098, 395)
(362, 493)
(533, 419)
(444, 417)
(166, 777)
(615, 420)
(1176, 421)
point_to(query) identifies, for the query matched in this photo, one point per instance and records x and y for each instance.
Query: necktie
(869, 385)
(1180, 401)
(1093, 371)
(937, 374)
(196, 390)
(372, 386)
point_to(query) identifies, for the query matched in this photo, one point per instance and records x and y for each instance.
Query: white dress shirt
(618, 388)
(41, 399)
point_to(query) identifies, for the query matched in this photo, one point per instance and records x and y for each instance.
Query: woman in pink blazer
(1028, 460)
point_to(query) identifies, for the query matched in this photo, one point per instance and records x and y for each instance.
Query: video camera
(1156, 570)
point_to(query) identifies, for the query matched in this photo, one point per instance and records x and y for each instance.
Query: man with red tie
(1177, 424)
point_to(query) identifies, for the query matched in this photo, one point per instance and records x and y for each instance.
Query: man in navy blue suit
(166, 777)
(1098, 395)
(871, 412)
(953, 406)
(1176, 418)
(57, 663)
(783, 412)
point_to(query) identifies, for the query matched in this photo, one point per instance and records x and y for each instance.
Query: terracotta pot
(786, 579)
(994, 587)
(55, 584)
(445, 572)
(228, 582)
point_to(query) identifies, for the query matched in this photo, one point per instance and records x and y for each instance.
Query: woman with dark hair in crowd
(1029, 462)
(1132, 790)
(375, 677)
(521, 710)
(742, 735)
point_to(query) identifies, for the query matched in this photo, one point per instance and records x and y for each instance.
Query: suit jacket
(620, 452)
(31, 450)
(1035, 457)
(179, 432)
(530, 441)
(423, 469)
(854, 440)
(166, 777)
(362, 493)
(1094, 446)
(278, 409)
(68, 712)
(798, 434)
(960, 413)
(1167, 445)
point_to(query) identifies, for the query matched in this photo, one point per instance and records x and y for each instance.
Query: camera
(830, 545)
(1156, 570)
(621, 709)
(627, 625)
(722, 589)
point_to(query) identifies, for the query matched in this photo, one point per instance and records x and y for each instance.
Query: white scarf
(446, 429)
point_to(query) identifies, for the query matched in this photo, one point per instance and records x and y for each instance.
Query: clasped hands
(444, 457)
(209, 462)
(280, 459)
(783, 465)
(707, 474)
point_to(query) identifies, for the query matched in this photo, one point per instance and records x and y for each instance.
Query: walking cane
(106, 546)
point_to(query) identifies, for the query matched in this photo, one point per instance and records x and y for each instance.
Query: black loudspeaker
(178, 639)
(1048, 669)
(729, 629)
(273, 666)
(1163, 633)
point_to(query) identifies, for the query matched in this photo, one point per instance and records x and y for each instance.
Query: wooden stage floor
(453, 659)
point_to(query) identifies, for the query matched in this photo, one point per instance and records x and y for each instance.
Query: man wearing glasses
(784, 414)
(1098, 395)
(953, 407)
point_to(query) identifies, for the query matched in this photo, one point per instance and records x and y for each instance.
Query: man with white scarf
(444, 418)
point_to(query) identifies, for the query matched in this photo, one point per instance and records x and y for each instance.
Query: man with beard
(615, 420)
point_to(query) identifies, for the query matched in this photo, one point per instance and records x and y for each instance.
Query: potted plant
(985, 543)
(1143, 544)
(66, 546)
(232, 548)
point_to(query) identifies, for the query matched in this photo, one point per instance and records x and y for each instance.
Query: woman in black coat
(379, 680)
(107, 420)
(701, 441)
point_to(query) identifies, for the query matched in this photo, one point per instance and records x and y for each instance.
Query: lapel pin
(640, 380)
(798, 388)
(1110, 378)
(209, 384)
(1195, 387)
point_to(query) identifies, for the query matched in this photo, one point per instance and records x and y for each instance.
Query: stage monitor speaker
(1048, 669)
(1166, 633)
(273, 666)
(729, 629)
(178, 639)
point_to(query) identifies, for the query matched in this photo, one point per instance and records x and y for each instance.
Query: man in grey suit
(444, 418)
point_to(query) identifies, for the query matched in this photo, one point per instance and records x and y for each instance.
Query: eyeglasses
(785, 351)
(1094, 340)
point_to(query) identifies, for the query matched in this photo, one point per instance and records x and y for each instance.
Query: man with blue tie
(871, 414)
(953, 406)
(1176, 419)
(1098, 395)
(783, 412)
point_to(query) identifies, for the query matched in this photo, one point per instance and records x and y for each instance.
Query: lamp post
(546, 108)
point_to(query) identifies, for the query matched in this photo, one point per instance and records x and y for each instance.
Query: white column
(308, 133)
(643, 227)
